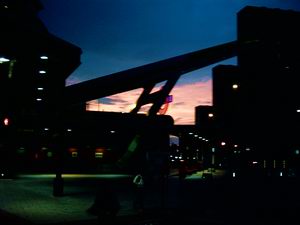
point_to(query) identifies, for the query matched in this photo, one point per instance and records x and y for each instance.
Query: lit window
(42, 72)
(235, 86)
(99, 155)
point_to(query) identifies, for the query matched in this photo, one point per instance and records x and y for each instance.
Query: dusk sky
(115, 35)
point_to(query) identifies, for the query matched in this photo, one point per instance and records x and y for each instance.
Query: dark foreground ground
(29, 200)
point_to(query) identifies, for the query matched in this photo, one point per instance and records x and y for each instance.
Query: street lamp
(235, 86)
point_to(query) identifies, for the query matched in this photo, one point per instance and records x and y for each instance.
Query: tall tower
(271, 69)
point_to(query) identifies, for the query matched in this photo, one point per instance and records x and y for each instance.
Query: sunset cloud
(185, 98)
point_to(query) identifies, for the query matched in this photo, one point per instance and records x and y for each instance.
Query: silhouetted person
(106, 204)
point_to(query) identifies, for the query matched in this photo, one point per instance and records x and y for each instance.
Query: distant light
(280, 174)
(99, 155)
(297, 151)
(2, 60)
(191, 133)
(196, 135)
(254, 162)
(171, 156)
(206, 140)
(69, 130)
(6, 7)
(235, 86)
(46, 128)
(223, 143)
(6, 121)
(233, 174)
(40, 88)
(176, 157)
(112, 131)
(194, 157)
(39, 99)
(2, 174)
(213, 149)
(44, 57)
(182, 160)
(235, 146)
(210, 115)
(42, 72)
(286, 67)
(298, 111)
(247, 149)
(172, 160)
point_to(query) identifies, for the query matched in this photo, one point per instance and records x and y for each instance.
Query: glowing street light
(42, 72)
(235, 86)
(210, 115)
(6, 121)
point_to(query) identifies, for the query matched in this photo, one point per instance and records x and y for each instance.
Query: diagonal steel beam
(148, 74)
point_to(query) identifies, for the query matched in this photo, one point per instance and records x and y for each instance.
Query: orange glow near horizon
(185, 98)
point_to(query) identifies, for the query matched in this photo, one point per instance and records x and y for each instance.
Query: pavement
(28, 200)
